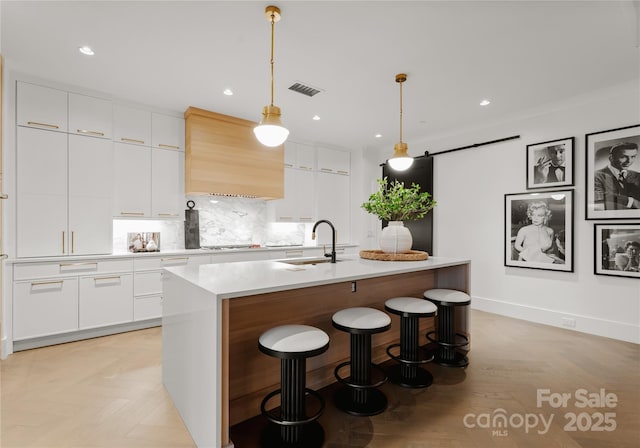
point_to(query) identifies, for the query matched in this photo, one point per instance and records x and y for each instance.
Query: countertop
(238, 279)
(163, 253)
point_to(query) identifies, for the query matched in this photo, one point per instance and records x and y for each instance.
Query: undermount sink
(303, 261)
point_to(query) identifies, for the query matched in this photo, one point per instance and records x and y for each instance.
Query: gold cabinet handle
(305, 167)
(50, 282)
(4, 196)
(4, 256)
(288, 165)
(73, 242)
(343, 172)
(45, 125)
(63, 242)
(285, 217)
(76, 265)
(111, 277)
(162, 145)
(87, 131)
(131, 140)
(326, 170)
(132, 213)
(174, 259)
(168, 214)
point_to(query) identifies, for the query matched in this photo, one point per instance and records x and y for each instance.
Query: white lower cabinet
(44, 307)
(147, 293)
(105, 300)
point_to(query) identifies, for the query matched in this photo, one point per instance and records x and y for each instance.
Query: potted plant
(395, 203)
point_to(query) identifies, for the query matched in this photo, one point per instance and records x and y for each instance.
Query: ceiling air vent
(304, 89)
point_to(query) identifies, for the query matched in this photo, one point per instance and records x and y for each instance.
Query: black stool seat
(293, 344)
(448, 340)
(359, 395)
(409, 373)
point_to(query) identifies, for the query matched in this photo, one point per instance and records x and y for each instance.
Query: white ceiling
(174, 54)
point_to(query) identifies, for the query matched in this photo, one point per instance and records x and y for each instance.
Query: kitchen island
(214, 314)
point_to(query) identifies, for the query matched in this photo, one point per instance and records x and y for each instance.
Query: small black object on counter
(191, 227)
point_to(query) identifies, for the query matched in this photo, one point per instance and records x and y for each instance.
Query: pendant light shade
(270, 131)
(401, 159)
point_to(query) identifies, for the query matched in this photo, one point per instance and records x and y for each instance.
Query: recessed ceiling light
(485, 102)
(228, 92)
(86, 50)
(378, 135)
(316, 117)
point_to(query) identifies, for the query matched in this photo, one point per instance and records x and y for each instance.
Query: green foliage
(394, 202)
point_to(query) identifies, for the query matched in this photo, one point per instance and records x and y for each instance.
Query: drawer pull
(132, 213)
(288, 165)
(4, 256)
(73, 242)
(62, 243)
(293, 253)
(46, 125)
(76, 265)
(174, 259)
(168, 214)
(132, 140)
(343, 172)
(162, 145)
(326, 170)
(50, 282)
(112, 277)
(4, 196)
(305, 167)
(87, 131)
(285, 217)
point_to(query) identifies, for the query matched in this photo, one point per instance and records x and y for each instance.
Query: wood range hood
(223, 157)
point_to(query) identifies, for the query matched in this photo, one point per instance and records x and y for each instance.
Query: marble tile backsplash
(223, 221)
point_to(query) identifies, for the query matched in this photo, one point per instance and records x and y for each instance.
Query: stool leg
(360, 365)
(292, 407)
(409, 346)
(446, 333)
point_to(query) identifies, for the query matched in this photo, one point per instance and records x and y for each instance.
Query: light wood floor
(107, 392)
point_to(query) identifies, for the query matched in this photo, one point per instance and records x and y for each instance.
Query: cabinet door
(305, 157)
(167, 132)
(131, 126)
(41, 193)
(45, 307)
(167, 183)
(90, 116)
(284, 209)
(333, 161)
(132, 180)
(90, 195)
(105, 300)
(334, 204)
(41, 107)
(303, 184)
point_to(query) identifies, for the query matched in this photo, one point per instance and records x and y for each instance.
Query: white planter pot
(395, 238)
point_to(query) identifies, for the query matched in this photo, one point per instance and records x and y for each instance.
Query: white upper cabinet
(131, 125)
(333, 161)
(167, 132)
(41, 107)
(90, 116)
(298, 203)
(298, 155)
(167, 183)
(334, 204)
(132, 181)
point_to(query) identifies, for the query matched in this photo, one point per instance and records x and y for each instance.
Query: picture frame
(617, 250)
(550, 164)
(607, 152)
(538, 230)
(143, 242)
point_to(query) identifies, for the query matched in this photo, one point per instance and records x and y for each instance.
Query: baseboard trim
(43, 341)
(6, 351)
(584, 324)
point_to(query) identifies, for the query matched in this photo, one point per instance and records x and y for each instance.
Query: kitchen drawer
(297, 253)
(147, 283)
(149, 307)
(42, 308)
(150, 263)
(50, 269)
(105, 300)
(240, 256)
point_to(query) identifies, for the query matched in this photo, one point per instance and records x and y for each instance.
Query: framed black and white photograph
(617, 250)
(613, 174)
(550, 164)
(143, 242)
(539, 230)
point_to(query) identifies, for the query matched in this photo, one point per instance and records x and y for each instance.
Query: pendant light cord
(273, 18)
(400, 111)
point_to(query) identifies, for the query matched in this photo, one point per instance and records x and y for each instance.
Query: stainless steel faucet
(333, 238)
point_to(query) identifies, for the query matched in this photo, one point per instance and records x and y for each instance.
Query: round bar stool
(293, 344)
(448, 340)
(359, 395)
(409, 373)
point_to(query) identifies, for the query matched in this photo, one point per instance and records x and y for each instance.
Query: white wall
(469, 186)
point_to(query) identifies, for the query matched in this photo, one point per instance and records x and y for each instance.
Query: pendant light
(270, 131)
(401, 159)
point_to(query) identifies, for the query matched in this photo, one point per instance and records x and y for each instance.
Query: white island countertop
(239, 279)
